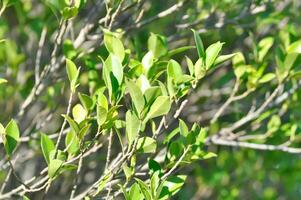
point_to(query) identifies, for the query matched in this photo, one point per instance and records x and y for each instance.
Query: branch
(264, 147)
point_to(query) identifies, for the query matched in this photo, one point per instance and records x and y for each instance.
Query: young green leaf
(53, 167)
(264, 45)
(267, 77)
(136, 95)
(171, 186)
(72, 143)
(211, 54)
(115, 67)
(223, 58)
(47, 146)
(102, 114)
(135, 192)
(154, 184)
(147, 61)
(114, 45)
(2, 81)
(199, 45)
(151, 94)
(71, 70)
(86, 101)
(174, 70)
(132, 126)
(12, 136)
(143, 83)
(69, 12)
(190, 65)
(294, 47)
(146, 145)
(183, 128)
(157, 45)
(144, 189)
(199, 69)
(160, 107)
(73, 125)
(79, 113)
(178, 50)
(72, 73)
(102, 101)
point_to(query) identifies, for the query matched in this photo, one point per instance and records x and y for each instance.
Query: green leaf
(199, 45)
(53, 167)
(144, 189)
(155, 181)
(199, 69)
(72, 73)
(70, 12)
(115, 67)
(132, 126)
(178, 50)
(209, 155)
(102, 114)
(12, 136)
(2, 81)
(72, 143)
(160, 107)
(102, 101)
(157, 45)
(47, 146)
(239, 65)
(151, 94)
(171, 186)
(143, 83)
(211, 54)
(83, 131)
(267, 77)
(147, 61)
(136, 95)
(79, 113)
(73, 125)
(289, 61)
(114, 45)
(183, 128)
(174, 70)
(86, 101)
(71, 70)
(26, 198)
(146, 145)
(264, 46)
(190, 66)
(135, 192)
(153, 165)
(223, 58)
(294, 47)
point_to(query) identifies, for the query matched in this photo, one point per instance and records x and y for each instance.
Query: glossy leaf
(79, 113)
(53, 167)
(132, 126)
(160, 107)
(211, 54)
(12, 136)
(114, 45)
(146, 145)
(171, 186)
(157, 45)
(72, 143)
(136, 96)
(47, 146)
(199, 45)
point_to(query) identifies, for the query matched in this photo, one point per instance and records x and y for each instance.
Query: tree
(138, 99)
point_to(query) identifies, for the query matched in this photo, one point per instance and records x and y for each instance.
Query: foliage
(142, 99)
